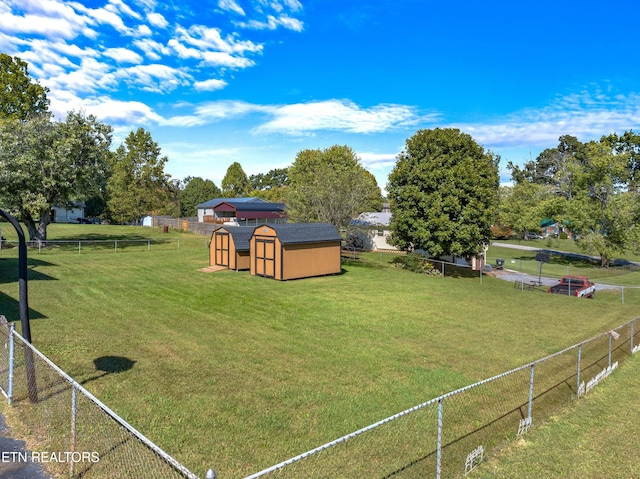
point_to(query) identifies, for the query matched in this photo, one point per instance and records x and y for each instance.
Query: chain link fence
(70, 431)
(450, 435)
(186, 224)
(445, 437)
(112, 246)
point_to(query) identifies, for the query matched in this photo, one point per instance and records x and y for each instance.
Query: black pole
(24, 305)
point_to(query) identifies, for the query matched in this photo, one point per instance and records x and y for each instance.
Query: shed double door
(265, 258)
(222, 249)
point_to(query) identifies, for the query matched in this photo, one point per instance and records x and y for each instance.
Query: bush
(415, 262)
(563, 235)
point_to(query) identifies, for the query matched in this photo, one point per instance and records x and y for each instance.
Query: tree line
(444, 190)
(591, 190)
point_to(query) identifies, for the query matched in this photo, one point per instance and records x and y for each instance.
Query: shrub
(415, 262)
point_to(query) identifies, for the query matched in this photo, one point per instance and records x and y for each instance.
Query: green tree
(590, 188)
(45, 163)
(521, 207)
(330, 186)
(197, 191)
(235, 183)
(138, 184)
(274, 178)
(602, 213)
(444, 194)
(271, 186)
(20, 96)
(627, 144)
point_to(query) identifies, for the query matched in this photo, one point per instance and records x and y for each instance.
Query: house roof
(372, 219)
(248, 206)
(298, 233)
(215, 201)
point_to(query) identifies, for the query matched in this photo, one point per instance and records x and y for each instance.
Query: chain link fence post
(439, 446)
(72, 442)
(531, 375)
(579, 369)
(11, 362)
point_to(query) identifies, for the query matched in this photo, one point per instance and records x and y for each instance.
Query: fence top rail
(166, 457)
(425, 404)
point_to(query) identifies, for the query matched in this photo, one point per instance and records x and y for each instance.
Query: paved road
(12, 464)
(529, 279)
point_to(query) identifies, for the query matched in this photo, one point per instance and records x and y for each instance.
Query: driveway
(528, 280)
(12, 457)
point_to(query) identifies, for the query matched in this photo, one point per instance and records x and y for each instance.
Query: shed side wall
(312, 259)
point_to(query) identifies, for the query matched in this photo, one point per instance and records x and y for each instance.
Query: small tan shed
(229, 247)
(295, 250)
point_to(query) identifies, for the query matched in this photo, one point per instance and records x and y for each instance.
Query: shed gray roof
(298, 233)
(241, 236)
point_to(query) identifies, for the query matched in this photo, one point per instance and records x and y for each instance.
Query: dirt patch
(213, 269)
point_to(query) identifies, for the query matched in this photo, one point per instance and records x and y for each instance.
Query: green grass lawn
(238, 372)
(592, 439)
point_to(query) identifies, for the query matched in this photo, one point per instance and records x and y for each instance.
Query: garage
(295, 250)
(229, 247)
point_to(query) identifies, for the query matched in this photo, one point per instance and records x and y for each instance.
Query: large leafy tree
(20, 96)
(235, 183)
(602, 211)
(627, 144)
(274, 178)
(521, 207)
(197, 191)
(271, 186)
(330, 186)
(45, 163)
(591, 188)
(443, 193)
(138, 184)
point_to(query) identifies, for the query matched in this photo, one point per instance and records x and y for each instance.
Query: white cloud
(117, 6)
(273, 23)
(227, 109)
(142, 31)
(89, 77)
(303, 118)
(157, 20)
(223, 59)
(104, 16)
(123, 55)
(152, 49)
(378, 160)
(210, 39)
(210, 85)
(586, 115)
(156, 78)
(52, 27)
(105, 109)
(232, 6)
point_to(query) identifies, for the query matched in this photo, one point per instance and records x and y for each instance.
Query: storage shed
(295, 250)
(229, 247)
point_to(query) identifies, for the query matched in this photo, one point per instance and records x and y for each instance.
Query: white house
(371, 231)
(61, 214)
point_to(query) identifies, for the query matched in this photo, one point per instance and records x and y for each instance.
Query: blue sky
(256, 81)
